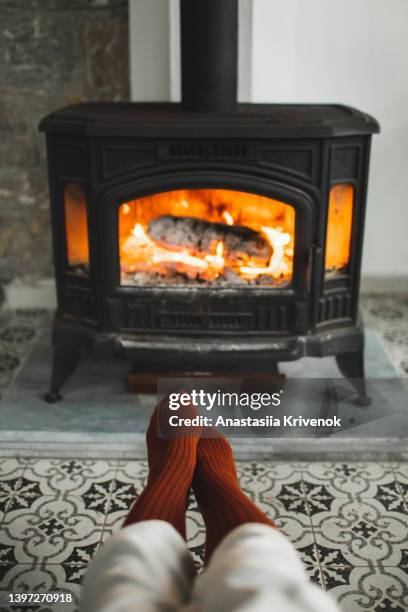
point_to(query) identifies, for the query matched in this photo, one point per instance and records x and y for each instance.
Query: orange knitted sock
(223, 504)
(172, 462)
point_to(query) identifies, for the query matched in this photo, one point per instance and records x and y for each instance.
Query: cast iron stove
(209, 235)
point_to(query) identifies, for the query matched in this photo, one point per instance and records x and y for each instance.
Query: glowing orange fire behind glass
(221, 256)
(339, 227)
(76, 226)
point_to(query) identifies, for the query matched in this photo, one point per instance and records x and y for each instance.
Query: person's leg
(145, 567)
(256, 568)
(172, 461)
(223, 504)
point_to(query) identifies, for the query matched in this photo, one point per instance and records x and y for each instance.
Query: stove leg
(274, 367)
(64, 363)
(351, 365)
(70, 341)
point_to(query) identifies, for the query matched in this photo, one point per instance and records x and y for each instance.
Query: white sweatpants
(147, 567)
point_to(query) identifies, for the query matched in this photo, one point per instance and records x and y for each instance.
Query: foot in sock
(171, 467)
(159, 429)
(223, 504)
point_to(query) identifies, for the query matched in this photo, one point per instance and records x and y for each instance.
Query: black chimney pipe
(209, 54)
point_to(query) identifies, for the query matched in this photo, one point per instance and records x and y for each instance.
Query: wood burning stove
(208, 235)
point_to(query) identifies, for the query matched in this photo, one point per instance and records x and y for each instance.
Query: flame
(216, 262)
(76, 224)
(229, 220)
(277, 267)
(138, 232)
(340, 220)
(273, 220)
(149, 252)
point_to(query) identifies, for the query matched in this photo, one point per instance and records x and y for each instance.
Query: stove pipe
(209, 54)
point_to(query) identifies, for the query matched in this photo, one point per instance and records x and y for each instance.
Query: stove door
(209, 254)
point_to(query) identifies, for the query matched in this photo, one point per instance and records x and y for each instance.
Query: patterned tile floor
(349, 521)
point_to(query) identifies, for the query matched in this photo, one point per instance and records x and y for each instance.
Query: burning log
(199, 236)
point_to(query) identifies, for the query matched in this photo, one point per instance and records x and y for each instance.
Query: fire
(272, 221)
(138, 231)
(339, 224)
(76, 224)
(277, 267)
(150, 252)
(228, 218)
(216, 263)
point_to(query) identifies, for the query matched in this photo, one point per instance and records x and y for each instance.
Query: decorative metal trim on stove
(210, 321)
(335, 307)
(207, 150)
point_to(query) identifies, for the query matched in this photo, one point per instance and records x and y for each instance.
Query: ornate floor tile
(131, 477)
(308, 552)
(339, 536)
(18, 493)
(281, 482)
(335, 575)
(123, 496)
(295, 525)
(51, 529)
(291, 500)
(401, 476)
(61, 476)
(133, 472)
(43, 579)
(318, 497)
(266, 478)
(299, 496)
(360, 533)
(195, 532)
(114, 498)
(329, 557)
(391, 497)
(74, 573)
(7, 556)
(314, 574)
(353, 480)
(11, 468)
(81, 555)
(368, 588)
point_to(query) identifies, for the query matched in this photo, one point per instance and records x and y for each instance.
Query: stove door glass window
(76, 227)
(206, 237)
(340, 219)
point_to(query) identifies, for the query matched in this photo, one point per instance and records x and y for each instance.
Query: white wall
(149, 22)
(347, 51)
(354, 52)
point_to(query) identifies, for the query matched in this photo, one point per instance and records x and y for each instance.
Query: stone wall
(52, 53)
